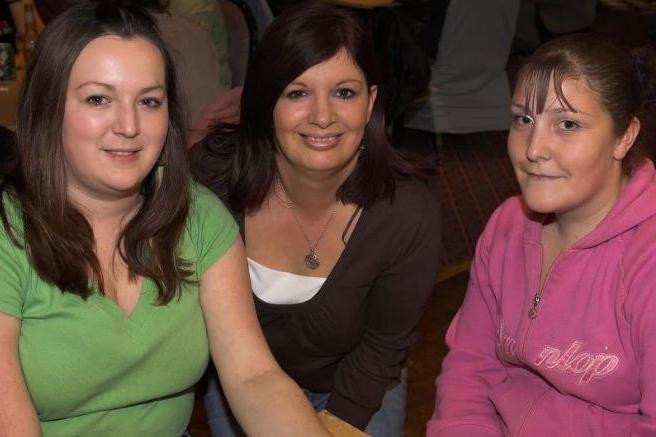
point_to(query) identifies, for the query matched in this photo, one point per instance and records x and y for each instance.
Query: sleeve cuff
(462, 428)
(347, 410)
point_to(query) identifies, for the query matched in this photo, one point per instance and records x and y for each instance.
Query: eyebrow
(113, 88)
(341, 82)
(558, 110)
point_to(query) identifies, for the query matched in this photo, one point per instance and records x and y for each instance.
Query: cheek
(76, 155)
(81, 126)
(355, 118)
(160, 129)
(515, 148)
(74, 134)
(283, 119)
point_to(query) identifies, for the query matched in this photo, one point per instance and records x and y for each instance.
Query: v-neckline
(135, 316)
(356, 235)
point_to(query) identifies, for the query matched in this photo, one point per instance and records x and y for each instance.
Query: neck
(571, 227)
(312, 196)
(102, 212)
(312, 191)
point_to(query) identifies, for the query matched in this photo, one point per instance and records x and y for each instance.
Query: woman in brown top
(342, 240)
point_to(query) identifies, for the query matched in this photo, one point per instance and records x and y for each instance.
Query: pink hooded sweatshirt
(585, 365)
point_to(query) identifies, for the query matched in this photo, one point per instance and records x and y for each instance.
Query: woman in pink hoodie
(557, 333)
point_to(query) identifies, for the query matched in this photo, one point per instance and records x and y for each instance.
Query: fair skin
(568, 163)
(115, 122)
(319, 123)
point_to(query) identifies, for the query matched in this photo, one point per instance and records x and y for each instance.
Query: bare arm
(263, 398)
(17, 416)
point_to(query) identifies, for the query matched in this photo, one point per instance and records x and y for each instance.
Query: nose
(538, 144)
(126, 121)
(321, 113)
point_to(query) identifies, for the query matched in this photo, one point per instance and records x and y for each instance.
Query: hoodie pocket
(589, 420)
(516, 399)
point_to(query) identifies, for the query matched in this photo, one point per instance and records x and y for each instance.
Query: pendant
(311, 260)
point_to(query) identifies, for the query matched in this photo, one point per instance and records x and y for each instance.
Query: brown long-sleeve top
(352, 338)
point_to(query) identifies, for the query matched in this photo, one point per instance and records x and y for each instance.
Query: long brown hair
(239, 161)
(58, 239)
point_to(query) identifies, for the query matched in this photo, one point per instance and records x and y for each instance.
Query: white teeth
(120, 153)
(322, 139)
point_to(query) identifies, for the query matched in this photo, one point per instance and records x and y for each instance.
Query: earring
(159, 172)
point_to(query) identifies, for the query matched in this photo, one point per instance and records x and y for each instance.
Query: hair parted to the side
(58, 239)
(240, 160)
(607, 68)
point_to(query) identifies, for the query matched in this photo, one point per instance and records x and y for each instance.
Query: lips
(122, 155)
(542, 176)
(320, 141)
(121, 152)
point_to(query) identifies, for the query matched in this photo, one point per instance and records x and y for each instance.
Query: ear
(373, 92)
(626, 140)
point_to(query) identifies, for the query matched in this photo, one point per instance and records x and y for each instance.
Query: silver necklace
(311, 259)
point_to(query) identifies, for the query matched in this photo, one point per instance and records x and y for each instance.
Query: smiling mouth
(321, 140)
(321, 137)
(121, 152)
(542, 176)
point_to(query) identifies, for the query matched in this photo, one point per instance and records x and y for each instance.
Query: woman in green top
(115, 272)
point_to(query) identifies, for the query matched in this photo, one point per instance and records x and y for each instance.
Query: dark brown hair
(239, 161)
(58, 239)
(607, 68)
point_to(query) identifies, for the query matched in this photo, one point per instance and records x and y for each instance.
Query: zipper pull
(533, 311)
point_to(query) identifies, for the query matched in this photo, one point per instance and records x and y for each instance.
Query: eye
(151, 102)
(97, 100)
(344, 93)
(296, 94)
(568, 125)
(522, 119)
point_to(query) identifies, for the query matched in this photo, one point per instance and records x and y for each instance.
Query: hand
(337, 427)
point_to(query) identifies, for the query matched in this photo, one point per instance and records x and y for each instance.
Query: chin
(540, 206)
(126, 188)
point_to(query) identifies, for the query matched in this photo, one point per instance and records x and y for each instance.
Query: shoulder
(15, 268)
(509, 214)
(12, 211)
(411, 217)
(506, 227)
(210, 227)
(412, 198)
(640, 249)
(204, 203)
(206, 211)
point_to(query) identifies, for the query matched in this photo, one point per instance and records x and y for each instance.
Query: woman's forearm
(272, 404)
(264, 399)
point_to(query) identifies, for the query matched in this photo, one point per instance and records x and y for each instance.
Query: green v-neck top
(93, 370)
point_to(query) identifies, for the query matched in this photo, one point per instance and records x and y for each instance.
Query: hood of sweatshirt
(636, 204)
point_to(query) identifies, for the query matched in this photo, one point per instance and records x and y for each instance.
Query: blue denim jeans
(388, 421)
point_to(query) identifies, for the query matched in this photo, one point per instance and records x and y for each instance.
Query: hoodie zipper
(532, 315)
(534, 308)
